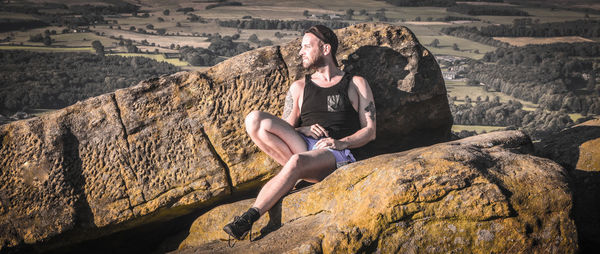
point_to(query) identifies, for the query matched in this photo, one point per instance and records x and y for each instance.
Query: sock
(253, 214)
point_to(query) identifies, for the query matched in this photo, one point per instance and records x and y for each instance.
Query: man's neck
(328, 71)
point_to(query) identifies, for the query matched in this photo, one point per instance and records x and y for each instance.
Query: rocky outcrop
(476, 195)
(176, 143)
(578, 150)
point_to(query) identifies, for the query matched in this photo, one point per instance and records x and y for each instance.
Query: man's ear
(326, 49)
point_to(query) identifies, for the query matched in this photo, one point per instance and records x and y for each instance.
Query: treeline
(559, 76)
(553, 6)
(418, 3)
(71, 16)
(221, 3)
(17, 24)
(55, 80)
(297, 25)
(219, 48)
(116, 7)
(488, 10)
(528, 28)
(199, 56)
(588, 28)
(471, 33)
(495, 113)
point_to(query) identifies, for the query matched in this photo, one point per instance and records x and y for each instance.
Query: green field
(466, 47)
(157, 57)
(39, 111)
(47, 49)
(460, 89)
(476, 128)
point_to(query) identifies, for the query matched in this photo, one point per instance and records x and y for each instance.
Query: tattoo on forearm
(371, 109)
(289, 102)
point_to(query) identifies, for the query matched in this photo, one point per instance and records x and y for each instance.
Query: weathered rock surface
(480, 194)
(578, 150)
(175, 143)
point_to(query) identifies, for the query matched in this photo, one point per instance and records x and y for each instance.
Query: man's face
(311, 53)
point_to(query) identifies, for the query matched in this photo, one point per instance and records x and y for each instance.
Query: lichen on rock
(459, 196)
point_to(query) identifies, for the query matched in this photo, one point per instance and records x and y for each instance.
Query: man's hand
(331, 143)
(315, 131)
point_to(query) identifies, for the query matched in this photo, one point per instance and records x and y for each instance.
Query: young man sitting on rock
(325, 114)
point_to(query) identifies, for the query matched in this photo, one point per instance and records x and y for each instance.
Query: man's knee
(252, 121)
(295, 163)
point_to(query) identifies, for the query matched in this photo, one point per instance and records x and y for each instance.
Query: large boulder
(578, 150)
(177, 143)
(480, 194)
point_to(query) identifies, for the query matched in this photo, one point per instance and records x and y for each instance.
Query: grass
(522, 41)
(13, 15)
(460, 89)
(575, 116)
(47, 49)
(39, 111)
(476, 128)
(157, 57)
(466, 47)
(82, 39)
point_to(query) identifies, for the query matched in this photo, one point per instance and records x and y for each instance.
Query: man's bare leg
(274, 136)
(280, 141)
(311, 166)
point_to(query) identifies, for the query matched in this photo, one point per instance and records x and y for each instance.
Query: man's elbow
(373, 135)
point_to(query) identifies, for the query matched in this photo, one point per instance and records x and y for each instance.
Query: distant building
(449, 75)
(334, 16)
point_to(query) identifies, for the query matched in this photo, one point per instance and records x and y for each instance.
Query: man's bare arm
(291, 111)
(366, 115)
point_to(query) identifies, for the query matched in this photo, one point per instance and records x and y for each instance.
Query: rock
(478, 194)
(177, 143)
(578, 150)
(78, 169)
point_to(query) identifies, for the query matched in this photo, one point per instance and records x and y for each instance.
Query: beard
(314, 63)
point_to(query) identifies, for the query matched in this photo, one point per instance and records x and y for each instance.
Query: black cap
(327, 36)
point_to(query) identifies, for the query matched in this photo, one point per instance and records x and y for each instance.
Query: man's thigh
(285, 132)
(315, 165)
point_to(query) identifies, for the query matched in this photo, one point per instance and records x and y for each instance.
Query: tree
(455, 47)
(305, 13)
(47, 40)
(435, 43)
(150, 26)
(253, 38)
(161, 31)
(418, 18)
(132, 49)
(166, 12)
(97, 45)
(349, 14)
(278, 35)
(472, 82)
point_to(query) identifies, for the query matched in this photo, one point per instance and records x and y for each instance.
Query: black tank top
(329, 107)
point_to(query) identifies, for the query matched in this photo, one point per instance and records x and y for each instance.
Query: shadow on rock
(577, 150)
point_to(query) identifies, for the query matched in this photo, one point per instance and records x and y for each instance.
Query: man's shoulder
(359, 81)
(298, 84)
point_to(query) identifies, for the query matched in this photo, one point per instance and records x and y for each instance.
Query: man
(325, 114)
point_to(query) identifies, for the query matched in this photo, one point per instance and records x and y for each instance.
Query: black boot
(242, 225)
